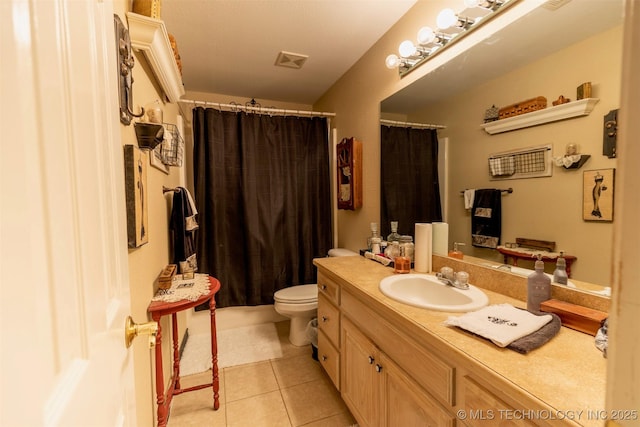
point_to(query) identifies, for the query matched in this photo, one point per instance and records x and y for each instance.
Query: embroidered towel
(500, 323)
(486, 218)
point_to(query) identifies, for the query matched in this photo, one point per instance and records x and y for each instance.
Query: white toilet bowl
(300, 304)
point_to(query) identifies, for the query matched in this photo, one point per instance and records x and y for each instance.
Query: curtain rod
(409, 124)
(508, 190)
(259, 109)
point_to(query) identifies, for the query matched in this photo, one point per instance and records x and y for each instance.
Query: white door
(65, 290)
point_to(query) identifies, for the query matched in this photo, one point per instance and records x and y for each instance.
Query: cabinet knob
(371, 360)
(324, 358)
(324, 318)
(378, 368)
(323, 287)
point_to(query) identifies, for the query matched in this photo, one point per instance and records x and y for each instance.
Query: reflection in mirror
(547, 53)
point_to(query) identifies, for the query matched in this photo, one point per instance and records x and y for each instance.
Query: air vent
(291, 60)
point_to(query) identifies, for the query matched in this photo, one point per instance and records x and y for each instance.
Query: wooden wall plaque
(349, 159)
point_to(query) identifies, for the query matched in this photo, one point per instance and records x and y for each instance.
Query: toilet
(300, 304)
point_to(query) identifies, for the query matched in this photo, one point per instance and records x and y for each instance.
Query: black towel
(486, 218)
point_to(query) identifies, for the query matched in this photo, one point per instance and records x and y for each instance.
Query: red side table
(157, 309)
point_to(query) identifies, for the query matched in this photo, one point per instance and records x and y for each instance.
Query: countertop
(568, 373)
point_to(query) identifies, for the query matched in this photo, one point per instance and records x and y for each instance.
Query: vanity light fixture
(450, 27)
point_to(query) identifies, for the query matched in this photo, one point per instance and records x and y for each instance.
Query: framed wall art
(598, 191)
(135, 177)
(155, 158)
(349, 162)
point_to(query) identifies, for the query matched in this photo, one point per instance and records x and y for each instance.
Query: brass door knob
(132, 330)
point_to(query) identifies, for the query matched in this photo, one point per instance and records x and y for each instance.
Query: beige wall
(355, 98)
(146, 262)
(548, 208)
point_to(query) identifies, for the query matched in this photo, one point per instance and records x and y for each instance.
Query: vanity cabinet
(391, 371)
(378, 392)
(329, 327)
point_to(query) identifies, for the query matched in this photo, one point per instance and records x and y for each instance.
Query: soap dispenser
(456, 253)
(560, 273)
(538, 287)
(394, 236)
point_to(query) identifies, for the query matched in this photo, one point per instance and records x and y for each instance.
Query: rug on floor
(236, 346)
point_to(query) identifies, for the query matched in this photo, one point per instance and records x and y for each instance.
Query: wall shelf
(569, 110)
(149, 36)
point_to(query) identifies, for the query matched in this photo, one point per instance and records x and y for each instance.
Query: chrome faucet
(459, 280)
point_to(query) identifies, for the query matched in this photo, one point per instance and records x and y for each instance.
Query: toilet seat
(300, 294)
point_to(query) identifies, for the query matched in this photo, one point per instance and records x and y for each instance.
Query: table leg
(176, 352)
(214, 354)
(162, 410)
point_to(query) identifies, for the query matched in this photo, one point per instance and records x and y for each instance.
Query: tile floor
(290, 391)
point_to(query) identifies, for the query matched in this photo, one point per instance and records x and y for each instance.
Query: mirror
(546, 53)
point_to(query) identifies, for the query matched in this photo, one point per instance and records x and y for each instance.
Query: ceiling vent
(291, 60)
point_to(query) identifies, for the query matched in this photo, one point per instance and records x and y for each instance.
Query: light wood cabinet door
(360, 380)
(405, 403)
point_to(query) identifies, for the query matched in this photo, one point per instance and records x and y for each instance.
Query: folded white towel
(501, 323)
(469, 196)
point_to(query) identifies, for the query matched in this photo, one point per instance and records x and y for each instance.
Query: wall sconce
(450, 27)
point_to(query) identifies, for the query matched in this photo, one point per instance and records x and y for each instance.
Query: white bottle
(560, 273)
(538, 287)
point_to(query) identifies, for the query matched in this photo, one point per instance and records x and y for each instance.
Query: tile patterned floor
(290, 391)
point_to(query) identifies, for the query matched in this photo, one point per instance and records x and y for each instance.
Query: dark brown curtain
(410, 190)
(262, 188)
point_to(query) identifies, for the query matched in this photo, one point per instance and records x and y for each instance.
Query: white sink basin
(426, 291)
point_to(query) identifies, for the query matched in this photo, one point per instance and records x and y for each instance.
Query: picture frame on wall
(155, 159)
(598, 195)
(135, 173)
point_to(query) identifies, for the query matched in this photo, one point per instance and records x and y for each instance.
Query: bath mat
(236, 346)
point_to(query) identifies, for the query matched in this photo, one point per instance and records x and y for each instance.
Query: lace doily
(184, 289)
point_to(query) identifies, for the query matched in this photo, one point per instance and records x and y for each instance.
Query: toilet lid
(336, 252)
(299, 294)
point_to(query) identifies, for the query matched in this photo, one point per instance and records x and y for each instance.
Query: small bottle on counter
(394, 236)
(560, 273)
(456, 252)
(409, 247)
(538, 287)
(402, 263)
(393, 250)
(374, 233)
(375, 245)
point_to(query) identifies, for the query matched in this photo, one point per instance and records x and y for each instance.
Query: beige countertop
(568, 373)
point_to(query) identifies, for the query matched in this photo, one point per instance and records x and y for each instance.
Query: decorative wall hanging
(135, 174)
(349, 159)
(598, 193)
(125, 66)
(610, 134)
(155, 159)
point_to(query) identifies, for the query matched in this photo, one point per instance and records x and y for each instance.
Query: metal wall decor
(125, 65)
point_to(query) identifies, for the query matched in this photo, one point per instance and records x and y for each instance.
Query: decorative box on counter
(576, 317)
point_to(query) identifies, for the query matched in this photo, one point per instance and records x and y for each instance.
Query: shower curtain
(262, 187)
(410, 191)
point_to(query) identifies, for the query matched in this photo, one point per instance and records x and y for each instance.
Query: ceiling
(230, 46)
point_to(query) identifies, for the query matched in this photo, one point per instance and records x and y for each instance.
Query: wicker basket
(150, 8)
(523, 107)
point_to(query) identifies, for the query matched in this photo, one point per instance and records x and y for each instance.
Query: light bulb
(426, 35)
(407, 49)
(471, 3)
(446, 19)
(392, 61)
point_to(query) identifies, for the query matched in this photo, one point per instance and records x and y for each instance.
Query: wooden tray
(523, 107)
